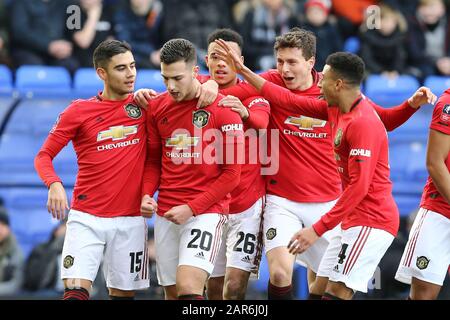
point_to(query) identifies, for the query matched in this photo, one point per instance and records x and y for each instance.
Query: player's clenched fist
(179, 214)
(148, 206)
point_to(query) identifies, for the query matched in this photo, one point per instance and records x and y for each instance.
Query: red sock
(76, 294)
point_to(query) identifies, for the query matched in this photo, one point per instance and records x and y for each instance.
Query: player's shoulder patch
(445, 114)
(133, 111)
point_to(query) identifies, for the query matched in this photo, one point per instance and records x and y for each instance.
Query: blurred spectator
(4, 57)
(11, 259)
(317, 20)
(39, 34)
(96, 26)
(194, 20)
(262, 24)
(428, 45)
(350, 14)
(138, 24)
(42, 266)
(383, 50)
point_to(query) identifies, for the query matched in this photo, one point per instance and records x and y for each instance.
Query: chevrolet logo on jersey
(117, 133)
(305, 123)
(181, 141)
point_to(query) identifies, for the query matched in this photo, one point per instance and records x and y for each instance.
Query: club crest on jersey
(271, 233)
(422, 262)
(133, 111)
(305, 123)
(182, 141)
(338, 138)
(68, 262)
(200, 118)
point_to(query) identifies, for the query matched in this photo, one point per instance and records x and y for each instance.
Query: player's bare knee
(340, 290)
(215, 288)
(235, 289)
(422, 290)
(280, 277)
(121, 293)
(170, 293)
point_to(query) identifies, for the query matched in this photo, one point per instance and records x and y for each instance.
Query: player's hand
(57, 201)
(179, 214)
(230, 57)
(207, 93)
(302, 240)
(142, 96)
(236, 105)
(148, 206)
(422, 96)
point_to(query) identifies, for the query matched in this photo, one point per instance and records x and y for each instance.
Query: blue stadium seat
(352, 44)
(407, 161)
(150, 79)
(6, 82)
(35, 116)
(6, 103)
(437, 84)
(43, 81)
(416, 128)
(86, 83)
(389, 92)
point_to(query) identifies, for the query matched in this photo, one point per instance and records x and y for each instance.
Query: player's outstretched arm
(394, 117)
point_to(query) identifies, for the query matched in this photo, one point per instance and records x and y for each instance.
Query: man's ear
(207, 61)
(101, 73)
(312, 61)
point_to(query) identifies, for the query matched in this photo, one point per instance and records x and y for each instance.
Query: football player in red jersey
(305, 143)
(367, 225)
(191, 162)
(109, 137)
(426, 257)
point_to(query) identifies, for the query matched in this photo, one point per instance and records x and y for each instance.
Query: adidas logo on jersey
(246, 259)
(336, 268)
(200, 255)
(137, 278)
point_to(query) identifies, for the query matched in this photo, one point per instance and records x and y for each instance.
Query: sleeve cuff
(320, 228)
(191, 205)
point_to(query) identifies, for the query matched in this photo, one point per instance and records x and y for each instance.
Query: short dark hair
(297, 38)
(226, 35)
(347, 66)
(108, 49)
(176, 50)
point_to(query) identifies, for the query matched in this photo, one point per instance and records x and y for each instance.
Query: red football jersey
(431, 199)
(362, 159)
(252, 184)
(109, 138)
(306, 144)
(184, 144)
